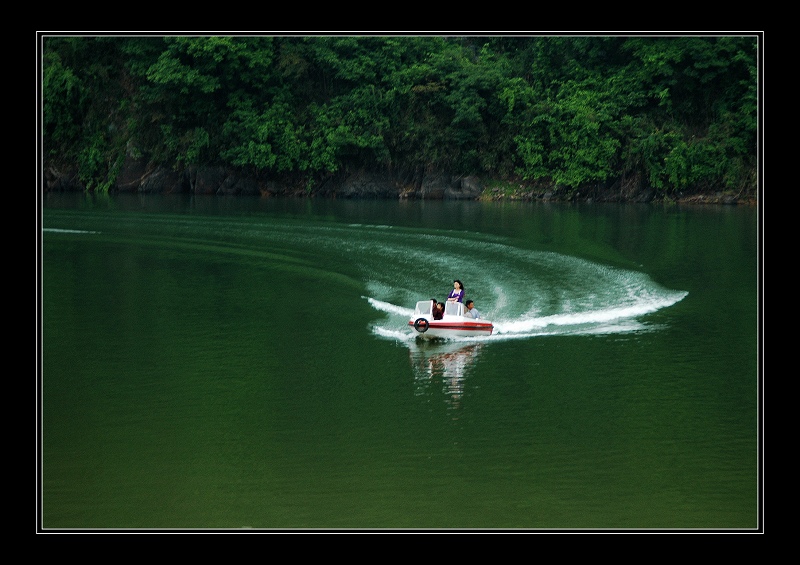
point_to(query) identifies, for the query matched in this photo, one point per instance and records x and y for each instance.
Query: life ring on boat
(421, 325)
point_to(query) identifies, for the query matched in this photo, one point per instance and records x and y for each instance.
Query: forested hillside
(675, 115)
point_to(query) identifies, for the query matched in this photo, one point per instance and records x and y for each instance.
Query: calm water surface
(246, 363)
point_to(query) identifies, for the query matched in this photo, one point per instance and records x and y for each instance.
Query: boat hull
(429, 329)
(454, 323)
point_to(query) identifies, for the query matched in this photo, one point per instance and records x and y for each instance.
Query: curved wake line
(525, 293)
(603, 316)
(389, 308)
(56, 230)
(612, 320)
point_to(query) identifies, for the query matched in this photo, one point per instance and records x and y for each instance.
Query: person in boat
(457, 294)
(438, 311)
(471, 312)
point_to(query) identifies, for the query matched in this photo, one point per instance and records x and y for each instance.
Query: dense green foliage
(676, 113)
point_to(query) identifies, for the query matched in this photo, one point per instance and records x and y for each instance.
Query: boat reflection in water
(447, 363)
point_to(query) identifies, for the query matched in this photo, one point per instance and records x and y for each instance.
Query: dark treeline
(674, 114)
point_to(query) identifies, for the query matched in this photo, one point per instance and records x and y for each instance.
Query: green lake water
(236, 363)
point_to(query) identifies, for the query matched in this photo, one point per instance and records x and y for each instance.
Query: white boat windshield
(454, 309)
(424, 307)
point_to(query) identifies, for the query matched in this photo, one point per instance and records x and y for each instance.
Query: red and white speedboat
(454, 323)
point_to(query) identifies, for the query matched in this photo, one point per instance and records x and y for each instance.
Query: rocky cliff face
(140, 176)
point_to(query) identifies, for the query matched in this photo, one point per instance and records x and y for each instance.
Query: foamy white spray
(525, 293)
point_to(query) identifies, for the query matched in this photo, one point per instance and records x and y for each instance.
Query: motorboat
(455, 322)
